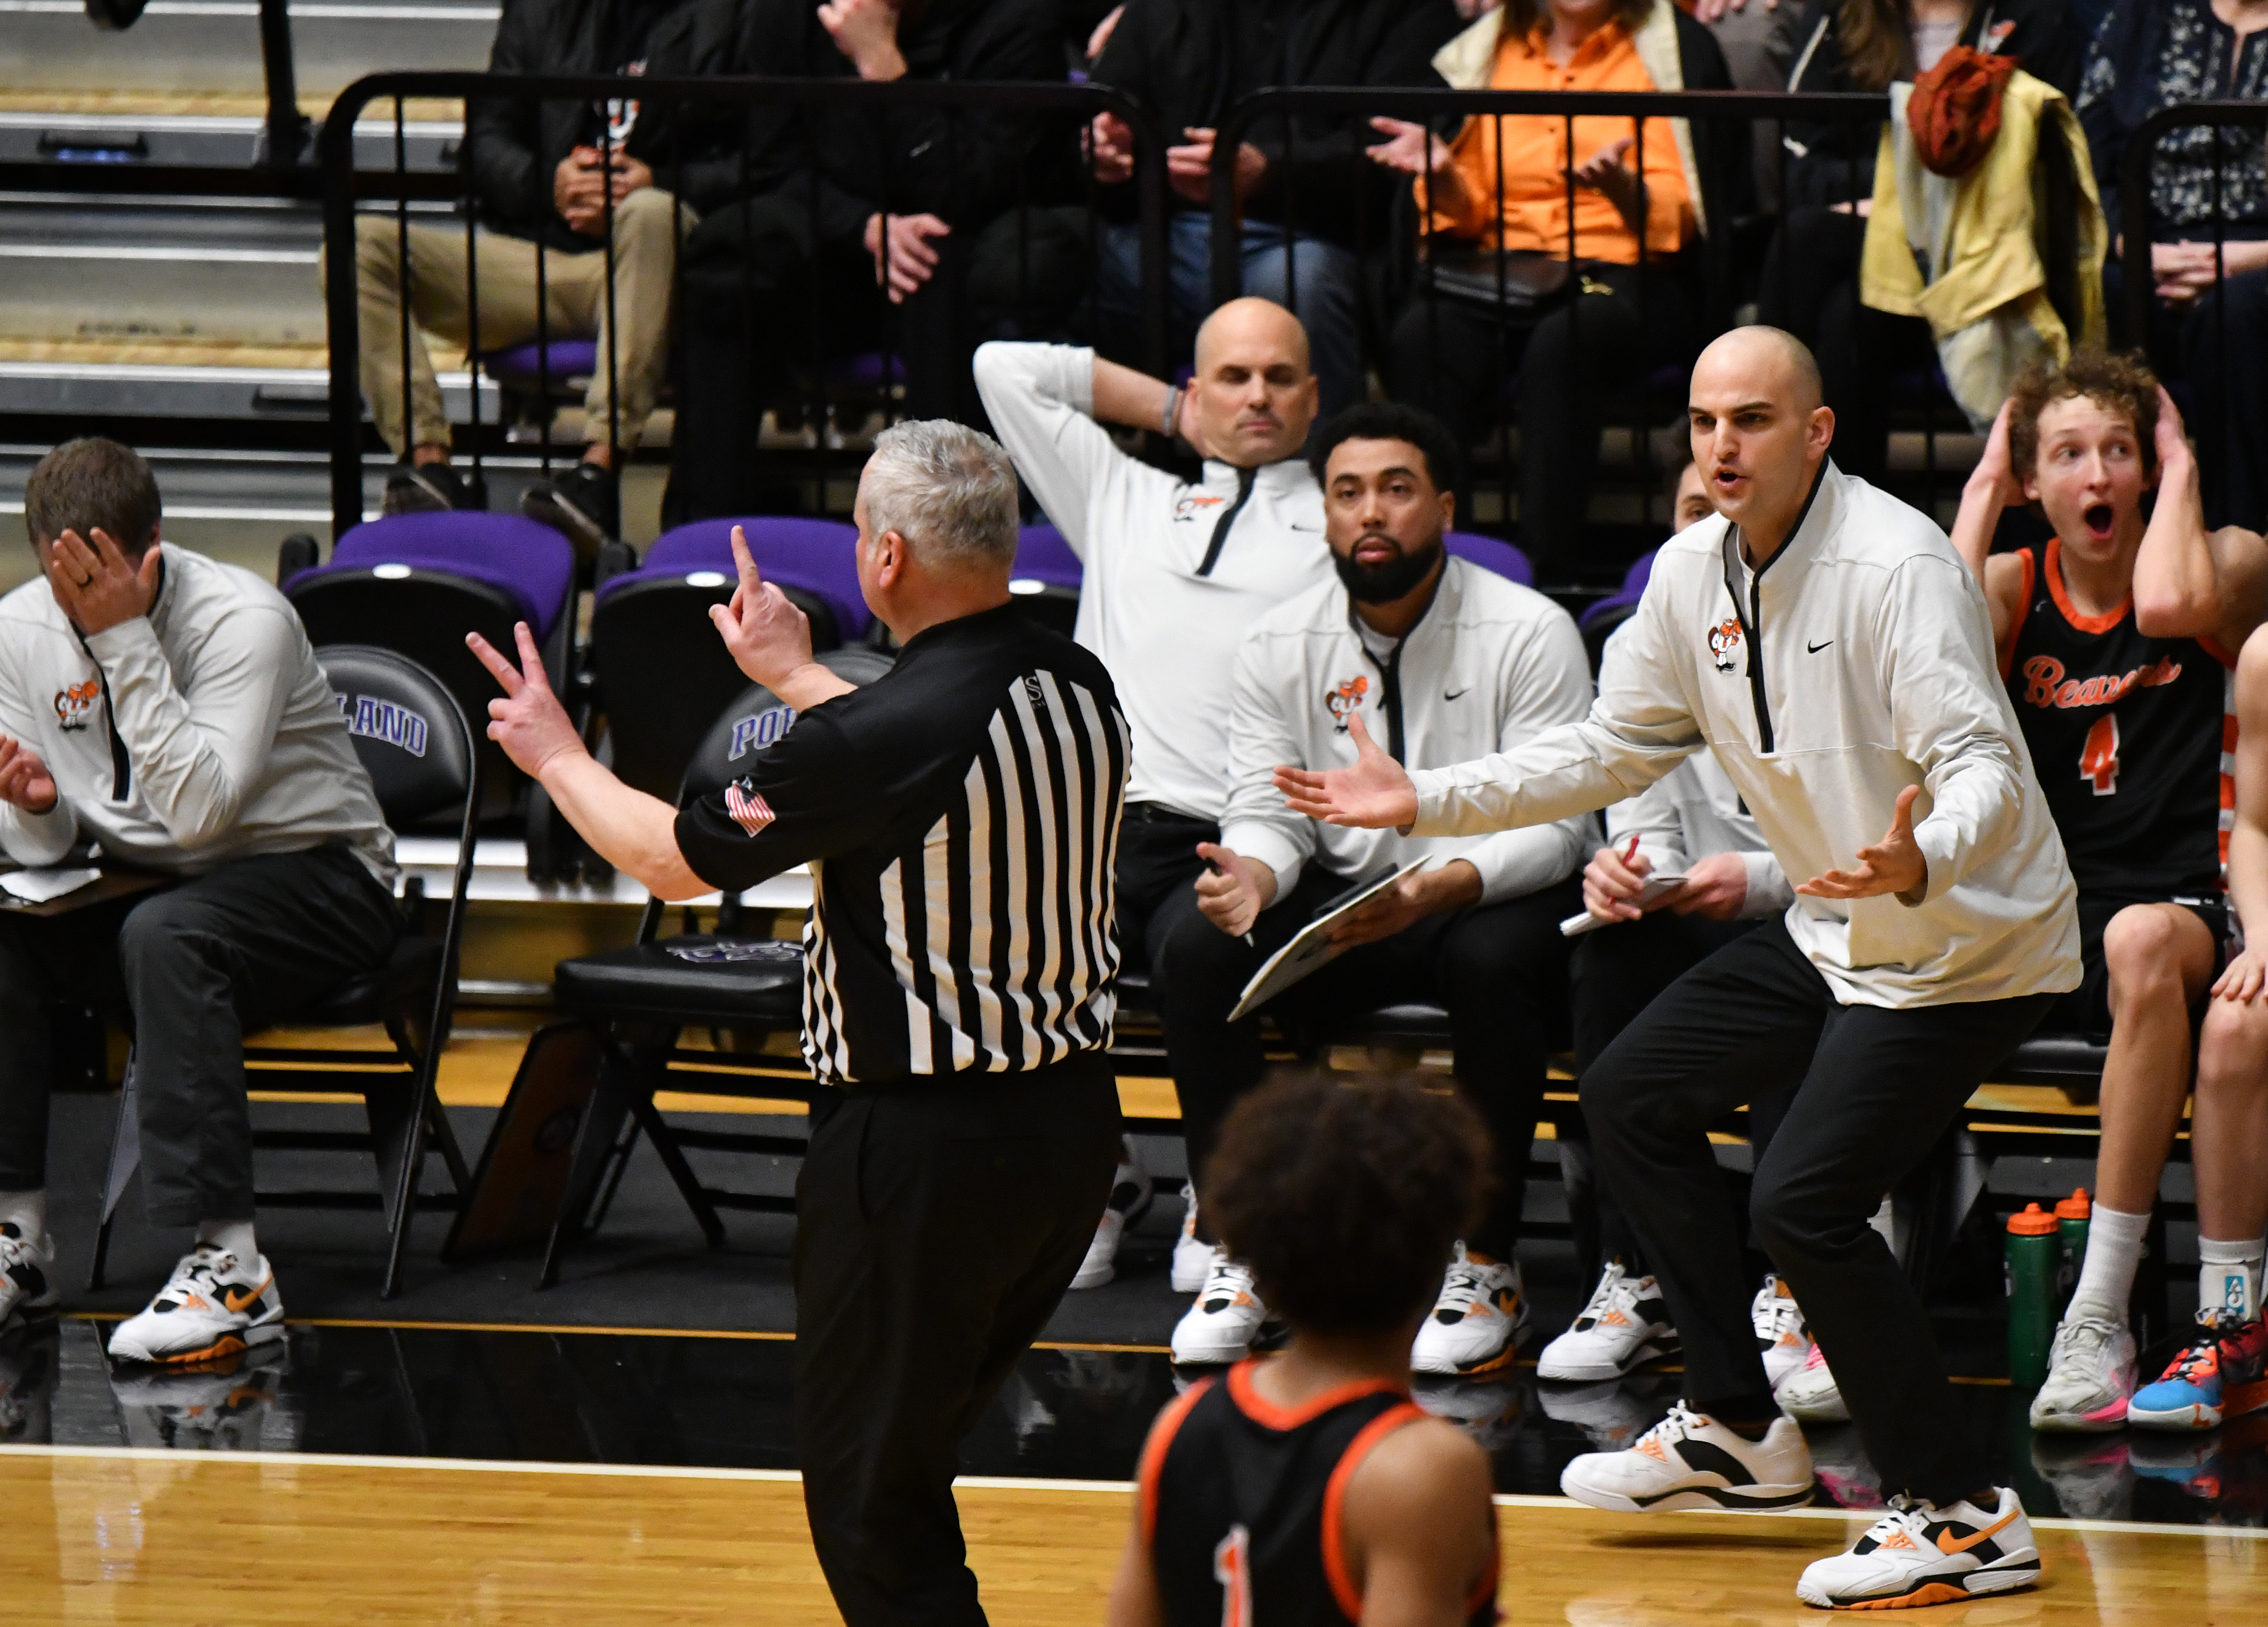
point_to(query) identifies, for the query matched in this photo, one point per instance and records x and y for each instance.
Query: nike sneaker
(1130, 1193)
(1810, 1394)
(1475, 1324)
(27, 1276)
(1783, 1337)
(1192, 1254)
(2221, 1466)
(2218, 1375)
(1625, 1325)
(1927, 1553)
(1690, 1460)
(2090, 1377)
(1221, 1327)
(212, 1306)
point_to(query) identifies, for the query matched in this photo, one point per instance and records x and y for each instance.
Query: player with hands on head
(2116, 637)
(1828, 644)
(1450, 660)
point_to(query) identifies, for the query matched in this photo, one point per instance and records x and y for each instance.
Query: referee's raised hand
(1373, 795)
(769, 637)
(529, 722)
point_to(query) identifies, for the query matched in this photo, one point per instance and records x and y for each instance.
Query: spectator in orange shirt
(1503, 183)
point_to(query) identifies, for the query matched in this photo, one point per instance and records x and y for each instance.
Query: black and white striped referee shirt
(960, 819)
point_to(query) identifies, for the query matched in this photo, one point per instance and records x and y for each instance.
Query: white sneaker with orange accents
(1625, 1325)
(1220, 1327)
(1690, 1460)
(1928, 1553)
(1783, 1337)
(212, 1306)
(1475, 1324)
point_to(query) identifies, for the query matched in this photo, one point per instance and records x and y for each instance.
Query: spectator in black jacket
(821, 221)
(2209, 328)
(557, 174)
(1810, 284)
(1307, 203)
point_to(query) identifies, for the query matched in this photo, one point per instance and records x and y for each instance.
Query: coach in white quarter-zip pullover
(1441, 659)
(1176, 574)
(1826, 642)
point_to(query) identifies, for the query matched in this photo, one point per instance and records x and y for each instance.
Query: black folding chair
(413, 739)
(642, 999)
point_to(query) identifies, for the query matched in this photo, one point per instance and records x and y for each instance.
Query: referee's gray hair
(949, 491)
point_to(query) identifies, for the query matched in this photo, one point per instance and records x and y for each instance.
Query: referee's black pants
(1501, 971)
(1874, 1089)
(938, 1223)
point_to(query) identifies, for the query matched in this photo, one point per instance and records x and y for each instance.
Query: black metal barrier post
(344, 186)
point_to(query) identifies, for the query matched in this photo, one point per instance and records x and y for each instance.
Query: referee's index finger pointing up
(752, 580)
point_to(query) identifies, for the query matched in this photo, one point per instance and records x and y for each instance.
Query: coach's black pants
(1874, 1088)
(192, 970)
(1617, 972)
(1501, 971)
(938, 1223)
(1157, 870)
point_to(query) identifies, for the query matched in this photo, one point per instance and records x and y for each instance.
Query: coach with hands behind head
(1828, 645)
(958, 815)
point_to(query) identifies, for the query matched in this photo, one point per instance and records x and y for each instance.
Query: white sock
(230, 1237)
(2228, 1277)
(28, 1210)
(2114, 1249)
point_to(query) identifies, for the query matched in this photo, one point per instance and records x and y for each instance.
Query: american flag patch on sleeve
(749, 811)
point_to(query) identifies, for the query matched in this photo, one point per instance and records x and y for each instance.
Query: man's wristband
(1173, 413)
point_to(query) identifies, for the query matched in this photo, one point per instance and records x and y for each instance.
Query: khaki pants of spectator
(575, 291)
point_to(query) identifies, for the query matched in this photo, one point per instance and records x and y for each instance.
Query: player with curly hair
(1298, 1485)
(2118, 639)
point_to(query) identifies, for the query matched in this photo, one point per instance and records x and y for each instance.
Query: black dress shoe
(426, 488)
(584, 506)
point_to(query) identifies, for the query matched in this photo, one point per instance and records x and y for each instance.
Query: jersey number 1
(2098, 759)
(1232, 1568)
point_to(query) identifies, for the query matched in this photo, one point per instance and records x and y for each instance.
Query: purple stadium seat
(815, 555)
(520, 366)
(1490, 555)
(1624, 599)
(1043, 556)
(531, 561)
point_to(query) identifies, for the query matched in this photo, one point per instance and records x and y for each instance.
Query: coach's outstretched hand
(529, 722)
(1373, 795)
(1894, 865)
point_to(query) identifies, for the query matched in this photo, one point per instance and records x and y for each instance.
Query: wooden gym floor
(124, 1537)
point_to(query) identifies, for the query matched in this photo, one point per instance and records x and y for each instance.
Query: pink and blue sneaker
(2223, 1372)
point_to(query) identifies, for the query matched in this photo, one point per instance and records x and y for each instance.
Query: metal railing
(1066, 108)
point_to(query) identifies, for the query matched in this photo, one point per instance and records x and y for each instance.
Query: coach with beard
(1441, 659)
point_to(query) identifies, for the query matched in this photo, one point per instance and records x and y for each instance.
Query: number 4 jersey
(2133, 739)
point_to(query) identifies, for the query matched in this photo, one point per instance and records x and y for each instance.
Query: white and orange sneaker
(1475, 1324)
(212, 1306)
(1783, 1337)
(1192, 1254)
(1928, 1553)
(1625, 1325)
(1690, 1460)
(1221, 1326)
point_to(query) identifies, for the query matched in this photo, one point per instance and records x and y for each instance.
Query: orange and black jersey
(2133, 737)
(1240, 1504)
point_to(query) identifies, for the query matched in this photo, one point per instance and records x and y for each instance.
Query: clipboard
(106, 885)
(1311, 949)
(1657, 886)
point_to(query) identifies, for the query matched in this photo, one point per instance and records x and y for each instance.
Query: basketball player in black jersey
(2117, 638)
(1304, 1488)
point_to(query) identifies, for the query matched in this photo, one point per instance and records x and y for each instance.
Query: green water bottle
(2071, 1244)
(2031, 1259)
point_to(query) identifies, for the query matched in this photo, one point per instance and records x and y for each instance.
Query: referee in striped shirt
(961, 817)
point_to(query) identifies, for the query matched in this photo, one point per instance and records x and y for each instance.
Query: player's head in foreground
(1760, 428)
(1388, 472)
(2082, 445)
(1344, 1196)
